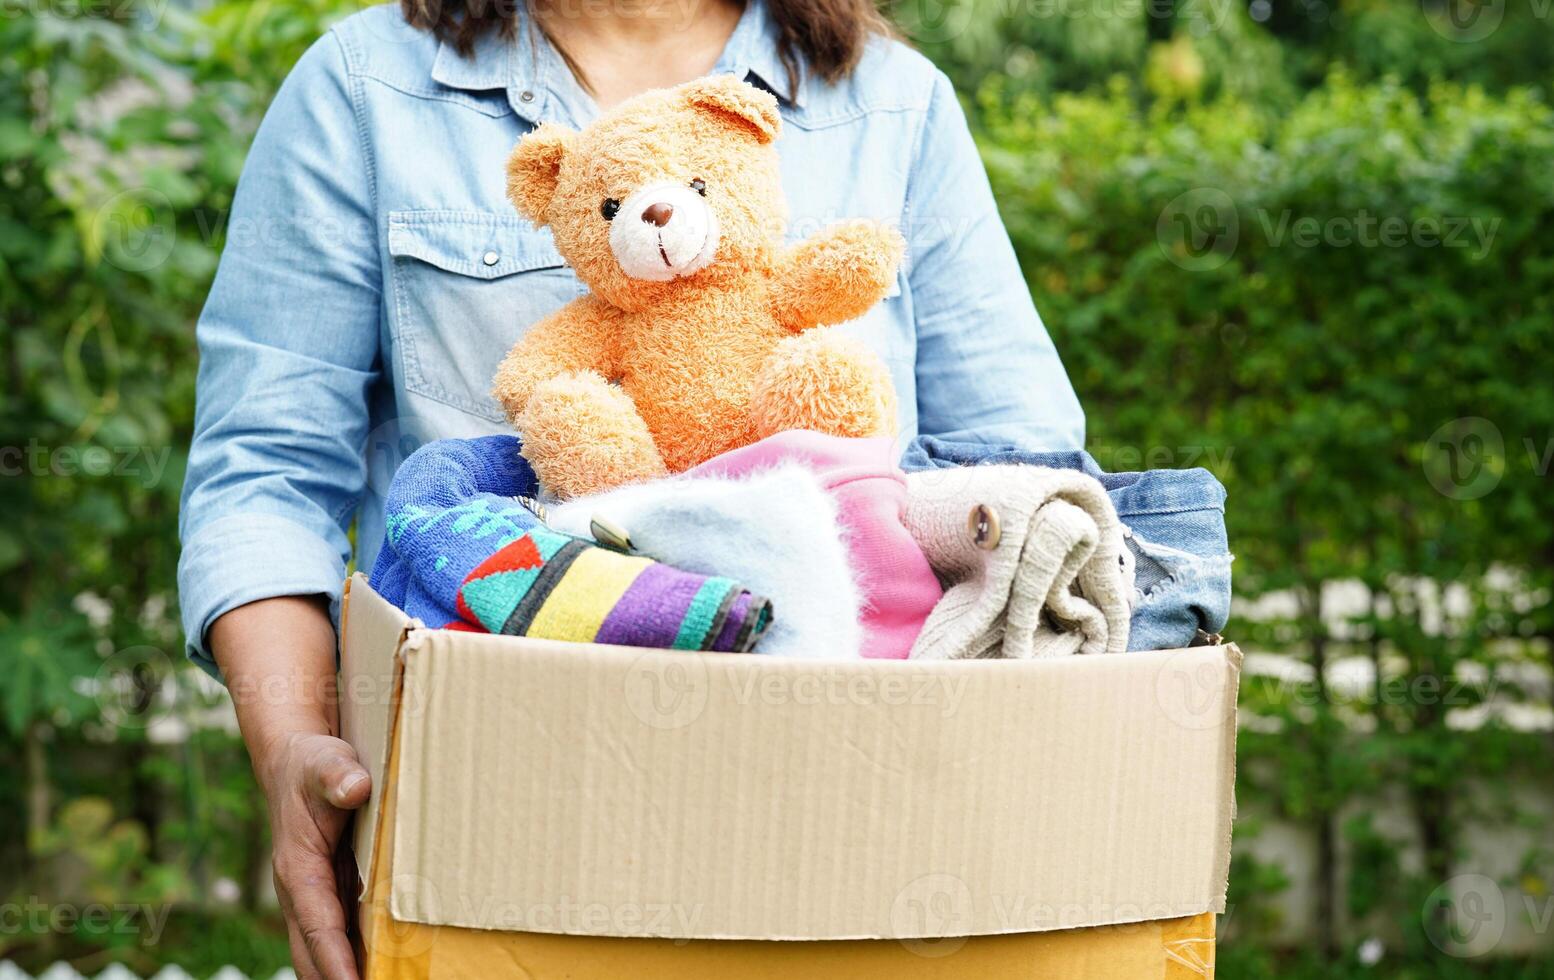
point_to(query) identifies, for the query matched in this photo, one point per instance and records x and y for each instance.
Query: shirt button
(526, 96)
(982, 522)
(491, 258)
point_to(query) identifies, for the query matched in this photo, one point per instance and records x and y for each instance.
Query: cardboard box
(558, 809)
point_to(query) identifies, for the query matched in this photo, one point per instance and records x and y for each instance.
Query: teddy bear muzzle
(664, 231)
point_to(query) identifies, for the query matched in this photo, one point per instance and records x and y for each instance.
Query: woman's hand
(314, 781)
(278, 659)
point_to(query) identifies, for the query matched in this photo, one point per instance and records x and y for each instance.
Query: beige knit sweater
(1043, 573)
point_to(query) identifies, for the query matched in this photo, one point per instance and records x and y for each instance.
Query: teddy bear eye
(699, 186)
(609, 208)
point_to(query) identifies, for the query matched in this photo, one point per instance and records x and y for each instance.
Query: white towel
(1056, 583)
(776, 532)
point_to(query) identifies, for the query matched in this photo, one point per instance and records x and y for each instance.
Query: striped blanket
(462, 550)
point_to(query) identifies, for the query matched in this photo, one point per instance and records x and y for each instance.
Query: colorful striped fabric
(463, 549)
(558, 587)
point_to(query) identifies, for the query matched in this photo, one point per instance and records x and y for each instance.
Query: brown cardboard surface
(568, 788)
(371, 647)
(1172, 949)
(1169, 949)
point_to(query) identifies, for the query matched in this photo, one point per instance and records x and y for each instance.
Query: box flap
(569, 788)
(373, 631)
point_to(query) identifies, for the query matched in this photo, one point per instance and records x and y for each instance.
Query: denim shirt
(374, 274)
(1174, 521)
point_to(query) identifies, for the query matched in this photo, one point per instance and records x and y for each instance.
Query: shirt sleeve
(986, 370)
(288, 343)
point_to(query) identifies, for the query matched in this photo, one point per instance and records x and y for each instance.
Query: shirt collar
(519, 65)
(522, 64)
(752, 50)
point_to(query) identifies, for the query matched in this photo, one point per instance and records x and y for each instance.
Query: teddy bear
(701, 331)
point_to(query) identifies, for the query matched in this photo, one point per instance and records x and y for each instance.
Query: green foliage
(114, 854)
(1320, 291)
(1051, 46)
(123, 129)
(1343, 308)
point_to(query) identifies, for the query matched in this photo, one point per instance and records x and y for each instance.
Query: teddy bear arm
(584, 435)
(835, 276)
(576, 338)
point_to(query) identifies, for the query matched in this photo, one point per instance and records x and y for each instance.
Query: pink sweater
(899, 588)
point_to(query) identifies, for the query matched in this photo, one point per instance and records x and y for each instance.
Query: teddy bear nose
(657, 214)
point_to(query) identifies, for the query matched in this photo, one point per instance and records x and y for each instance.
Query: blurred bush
(122, 131)
(1254, 49)
(1345, 309)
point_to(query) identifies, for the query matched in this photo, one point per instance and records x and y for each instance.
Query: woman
(374, 275)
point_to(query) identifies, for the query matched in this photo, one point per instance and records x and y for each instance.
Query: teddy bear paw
(584, 435)
(824, 381)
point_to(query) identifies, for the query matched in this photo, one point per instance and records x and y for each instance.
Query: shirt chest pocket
(465, 287)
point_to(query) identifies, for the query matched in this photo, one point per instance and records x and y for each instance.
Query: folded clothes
(559, 587)
(898, 587)
(1034, 558)
(463, 551)
(1174, 523)
(451, 505)
(775, 530)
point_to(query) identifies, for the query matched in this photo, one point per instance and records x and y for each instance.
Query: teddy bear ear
(535, 168)
(733, 101)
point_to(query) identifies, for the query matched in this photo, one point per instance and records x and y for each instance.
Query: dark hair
(827, 36)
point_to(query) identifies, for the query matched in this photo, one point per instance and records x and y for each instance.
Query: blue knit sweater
(450, 507)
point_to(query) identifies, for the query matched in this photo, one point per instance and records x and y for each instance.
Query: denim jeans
(1175, 522)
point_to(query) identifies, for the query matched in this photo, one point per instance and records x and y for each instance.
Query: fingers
(315, 919)
(301, 961)
(325, 779)
(336, 778)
